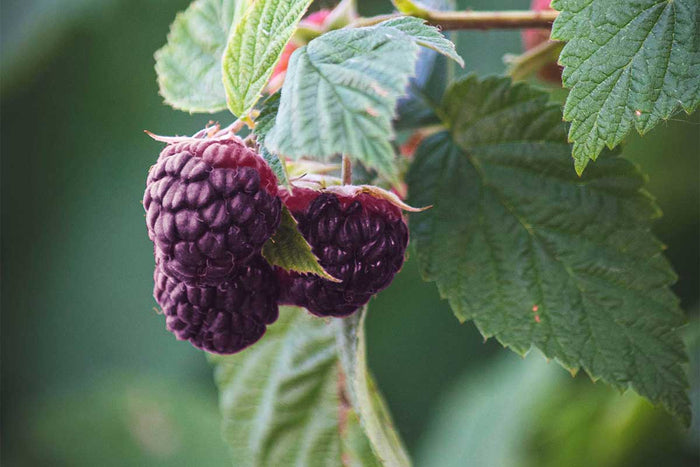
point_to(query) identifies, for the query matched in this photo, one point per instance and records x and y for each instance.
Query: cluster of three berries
(211, 204)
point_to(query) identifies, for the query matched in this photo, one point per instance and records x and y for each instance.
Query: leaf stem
(346, 171)
(455, 20)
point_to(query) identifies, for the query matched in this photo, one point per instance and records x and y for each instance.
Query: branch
(454, 20)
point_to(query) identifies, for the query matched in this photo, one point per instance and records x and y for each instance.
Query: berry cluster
(210, 206)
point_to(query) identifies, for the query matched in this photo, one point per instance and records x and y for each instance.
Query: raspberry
(533, 37)
(359, 239)
(225, 318)
(211, 204)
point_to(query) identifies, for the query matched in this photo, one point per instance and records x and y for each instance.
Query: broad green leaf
(629, 64)
(365, 397)
(189, 65)
(280, 399)
(340, 93)
(262, 126)
(288, 249)
(536, 256)
(254, 48)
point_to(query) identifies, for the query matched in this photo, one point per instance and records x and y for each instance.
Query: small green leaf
(629, 64)
(262, 126)
(289, 250)
(537, 256)
(254, 48)
(426, 36)
(340, 94)
(411, 7)
(281, 399)
(189, 65)
(366, 398)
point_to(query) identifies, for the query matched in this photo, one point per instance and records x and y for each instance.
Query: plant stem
(346, 171)
(454, 20)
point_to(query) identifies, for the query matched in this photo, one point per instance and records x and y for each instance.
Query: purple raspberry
(210, 206)
(225, 318)
(358, 238)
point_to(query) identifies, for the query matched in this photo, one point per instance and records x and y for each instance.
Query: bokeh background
(91, 377)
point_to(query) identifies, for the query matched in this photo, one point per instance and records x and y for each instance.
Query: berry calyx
(358, 238)
(223, 318)
(531, 38)
(210, 206)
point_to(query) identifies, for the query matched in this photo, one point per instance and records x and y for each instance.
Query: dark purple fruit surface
(359, 239)
(210, 206)
(223, 318)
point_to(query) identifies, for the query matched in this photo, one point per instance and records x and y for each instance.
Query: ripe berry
(223, 318)
(211, 204)
(358, 238)
(534, 37)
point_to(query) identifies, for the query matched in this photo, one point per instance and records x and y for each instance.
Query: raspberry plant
(532, 228)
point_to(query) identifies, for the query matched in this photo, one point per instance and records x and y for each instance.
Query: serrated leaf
(417, 108)
(288, 249)
(281, 401)
(262, 126)
(426, 36)
(536, 256)
(366, 399)
(629, 64)
(189, 65)
(340, 93)
(255, 47)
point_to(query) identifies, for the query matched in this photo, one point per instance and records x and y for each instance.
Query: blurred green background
(91, 377)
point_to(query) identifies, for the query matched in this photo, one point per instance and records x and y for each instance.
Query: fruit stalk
(346, 171)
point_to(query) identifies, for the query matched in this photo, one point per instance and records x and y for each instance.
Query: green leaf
(262, 126)
(417, 108)
(356, 447)
(365, 397)
(340, 93)
(467, 426)
(539, 257)
(254, 48)
(288, 249)
(189, 65)
(426, 36)
(411, 7)
(281, 400)
(629, 64)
